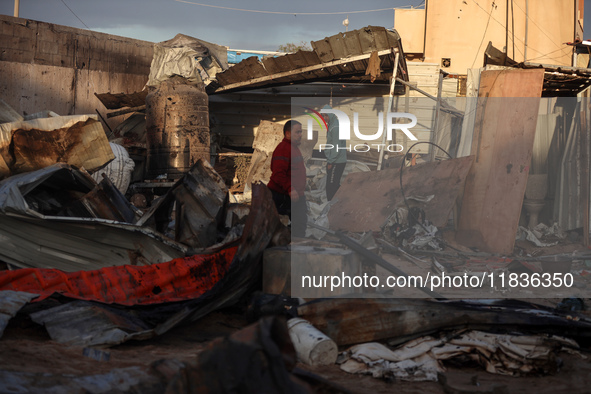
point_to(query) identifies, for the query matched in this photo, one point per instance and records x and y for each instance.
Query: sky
(160, 20)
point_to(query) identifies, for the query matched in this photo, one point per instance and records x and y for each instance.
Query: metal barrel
(177, 129)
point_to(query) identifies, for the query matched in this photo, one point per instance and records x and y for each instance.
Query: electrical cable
(293, 13)
(483, 36)
(75, 14)
(503, 26)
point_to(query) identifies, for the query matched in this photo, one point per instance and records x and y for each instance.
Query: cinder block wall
(51, 67)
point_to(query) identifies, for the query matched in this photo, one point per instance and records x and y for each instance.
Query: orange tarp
(177, 280)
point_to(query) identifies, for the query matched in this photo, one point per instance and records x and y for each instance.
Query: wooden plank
(357, 210)
(504, 131)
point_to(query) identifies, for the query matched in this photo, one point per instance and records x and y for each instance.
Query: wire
(546, 54)
(293, 13)
(75, 15)
(538, 26)
(503, 26)
(484, 35)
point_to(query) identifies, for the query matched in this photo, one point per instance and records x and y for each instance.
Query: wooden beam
(302, 70)
(126, 111)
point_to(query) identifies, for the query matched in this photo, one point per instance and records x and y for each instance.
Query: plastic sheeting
(193, 59)
(177, 280)
(119, 170)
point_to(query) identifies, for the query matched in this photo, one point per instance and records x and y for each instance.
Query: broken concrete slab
(366, 200)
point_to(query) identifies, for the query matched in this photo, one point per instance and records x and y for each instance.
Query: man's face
(296, 134)
(326, 118)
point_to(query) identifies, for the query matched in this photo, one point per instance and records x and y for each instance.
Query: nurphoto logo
(345, 129)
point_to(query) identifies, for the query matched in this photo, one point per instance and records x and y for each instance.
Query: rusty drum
(177, 128)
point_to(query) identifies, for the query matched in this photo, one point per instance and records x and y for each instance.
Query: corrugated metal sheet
(567, 202)
(35, 229)
(344, 56)
(10, 303)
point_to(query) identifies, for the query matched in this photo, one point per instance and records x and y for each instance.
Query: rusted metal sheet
(44, 224)
(199, 199)
(121, 100)
(315, 65)
(351, 321)
(357, 210)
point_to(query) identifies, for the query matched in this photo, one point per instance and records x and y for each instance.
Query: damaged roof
(559, 81)
(342, 57)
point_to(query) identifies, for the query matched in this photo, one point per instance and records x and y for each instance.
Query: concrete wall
(46, 66)
(460, 30)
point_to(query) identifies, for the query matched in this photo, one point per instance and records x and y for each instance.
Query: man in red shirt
(288, 178)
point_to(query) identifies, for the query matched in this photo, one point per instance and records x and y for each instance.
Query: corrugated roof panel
(255, 67)
(351, 43)
(337, 46)
(303, 66)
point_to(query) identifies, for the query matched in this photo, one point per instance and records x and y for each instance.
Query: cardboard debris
(268, 136)
(422, 359)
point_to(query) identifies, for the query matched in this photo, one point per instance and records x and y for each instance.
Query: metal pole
(390, 99)
(16, 7)
(526, 27)
(436, 121)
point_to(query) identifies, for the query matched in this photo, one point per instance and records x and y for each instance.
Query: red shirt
(288, 169)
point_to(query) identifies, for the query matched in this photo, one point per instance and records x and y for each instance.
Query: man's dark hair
(289, 124)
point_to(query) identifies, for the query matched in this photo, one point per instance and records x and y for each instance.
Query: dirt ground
(26, 347)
